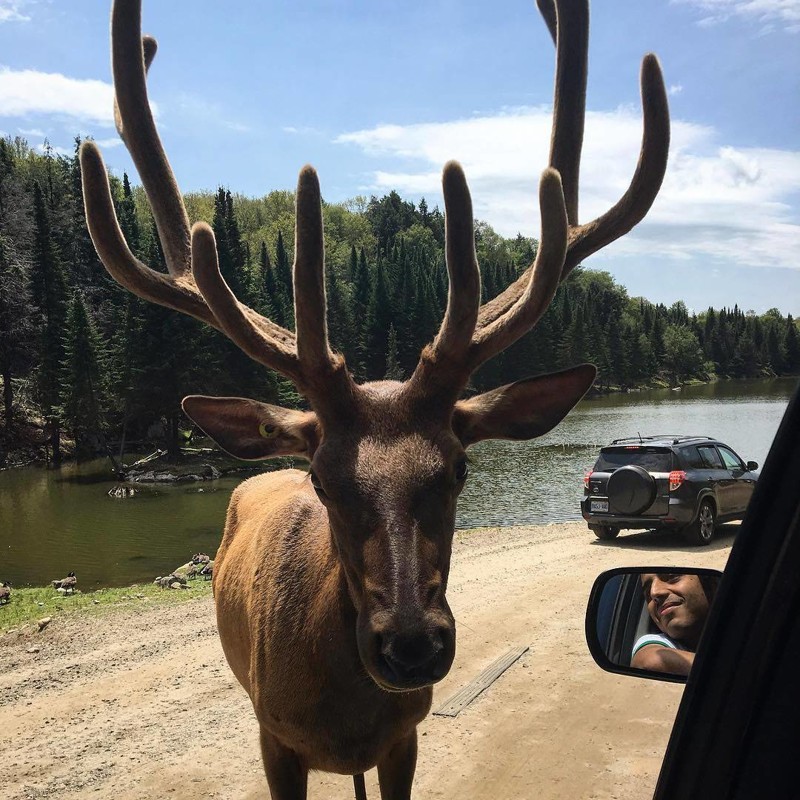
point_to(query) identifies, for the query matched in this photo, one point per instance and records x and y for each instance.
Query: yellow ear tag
(267, 432)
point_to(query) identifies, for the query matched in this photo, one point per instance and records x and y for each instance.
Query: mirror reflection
(651, 618)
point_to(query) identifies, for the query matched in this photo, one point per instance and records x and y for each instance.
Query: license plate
(598, 505)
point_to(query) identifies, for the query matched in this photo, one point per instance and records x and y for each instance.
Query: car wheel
(701, 531)
(604, 532)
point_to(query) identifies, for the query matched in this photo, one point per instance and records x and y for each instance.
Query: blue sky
(378, 95)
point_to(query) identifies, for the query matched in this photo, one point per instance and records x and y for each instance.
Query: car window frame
(725, 449)
(713, 449)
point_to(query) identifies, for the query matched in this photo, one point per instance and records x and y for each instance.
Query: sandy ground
(142, 704)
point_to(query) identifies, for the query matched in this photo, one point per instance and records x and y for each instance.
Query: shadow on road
(670, 541)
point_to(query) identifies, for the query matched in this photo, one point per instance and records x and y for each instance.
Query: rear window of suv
(653, 459)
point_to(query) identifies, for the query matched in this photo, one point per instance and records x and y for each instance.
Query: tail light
(586, 476)
(676, 478)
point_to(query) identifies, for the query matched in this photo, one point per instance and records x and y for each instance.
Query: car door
(737, 730)
(719, 478)
(743, 481)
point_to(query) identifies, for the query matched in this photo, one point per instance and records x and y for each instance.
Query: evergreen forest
(86, 367)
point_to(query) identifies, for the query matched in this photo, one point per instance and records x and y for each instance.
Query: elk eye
(316, 484)
(462, 470)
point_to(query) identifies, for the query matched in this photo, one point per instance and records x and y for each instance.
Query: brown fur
(280, 589)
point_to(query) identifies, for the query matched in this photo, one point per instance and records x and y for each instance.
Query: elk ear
(251, 430)
(522, 410)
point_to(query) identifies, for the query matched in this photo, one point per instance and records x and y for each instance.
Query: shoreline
(127, 703)
(34, 455)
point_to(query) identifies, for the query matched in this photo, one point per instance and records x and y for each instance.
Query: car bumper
(679, 514)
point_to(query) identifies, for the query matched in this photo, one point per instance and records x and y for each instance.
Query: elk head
(387, 458)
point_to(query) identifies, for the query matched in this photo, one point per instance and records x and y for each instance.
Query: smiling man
(678, 606)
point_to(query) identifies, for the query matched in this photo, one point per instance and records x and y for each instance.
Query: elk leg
(396, 769)
(286, 775)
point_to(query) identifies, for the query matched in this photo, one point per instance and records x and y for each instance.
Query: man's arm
(657, 658)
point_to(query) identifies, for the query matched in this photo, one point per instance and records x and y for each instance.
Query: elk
(330, 584)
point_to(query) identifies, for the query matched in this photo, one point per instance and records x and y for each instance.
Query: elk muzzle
(404, 649)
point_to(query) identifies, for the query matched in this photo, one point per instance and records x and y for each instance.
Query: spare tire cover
(631, 490)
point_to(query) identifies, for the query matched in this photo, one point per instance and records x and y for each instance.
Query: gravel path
(141, 703)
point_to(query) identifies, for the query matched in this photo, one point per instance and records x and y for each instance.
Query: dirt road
(141, 704)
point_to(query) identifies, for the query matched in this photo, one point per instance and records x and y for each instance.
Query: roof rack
(671, 437)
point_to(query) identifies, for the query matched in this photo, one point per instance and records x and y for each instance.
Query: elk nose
(412, 659)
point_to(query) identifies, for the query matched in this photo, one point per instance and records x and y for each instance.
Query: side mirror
(648, 621)
(751, 465)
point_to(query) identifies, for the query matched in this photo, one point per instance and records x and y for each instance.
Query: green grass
(26, 606)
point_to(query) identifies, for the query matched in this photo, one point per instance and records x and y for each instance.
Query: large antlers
(564, 242)
(470, 334)
(194, 284)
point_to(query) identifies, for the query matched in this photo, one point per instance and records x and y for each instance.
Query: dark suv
(687, 483)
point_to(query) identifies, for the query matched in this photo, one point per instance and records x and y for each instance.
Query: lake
(56, 521)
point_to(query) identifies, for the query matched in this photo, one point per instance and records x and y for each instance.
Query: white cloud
(26, 93)
(676, 88)
(37, 132)
(717, 201)
(784, 12)
(12, 11)
(107, 143)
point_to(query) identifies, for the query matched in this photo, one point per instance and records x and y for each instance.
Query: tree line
(83, 360)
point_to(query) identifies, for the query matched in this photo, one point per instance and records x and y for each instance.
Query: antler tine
(128, 55)
(545, 276)
(254, 334)
(464, 295)
(460, 347)
(633, 206)
(448, 352)
(313, 351)
(569, 101)
(179, 293)
(568, 23)
(149, 50)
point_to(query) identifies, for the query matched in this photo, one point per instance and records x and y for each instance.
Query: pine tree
(285, 284)
(16, 333)
(393, 371)
(267, 287)
(78, 255)
(362, 291)
(49, 293)
(379, 320)
(84, 392)
(791, 345)
(126, 214)
(339, 319)
(228, 250)
(353, 269)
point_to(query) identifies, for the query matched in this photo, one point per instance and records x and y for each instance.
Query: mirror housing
(663, 638)
(752, 465)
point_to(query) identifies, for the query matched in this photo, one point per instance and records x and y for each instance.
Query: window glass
(710, 457)
(653, 459)
(730, 458)
(693, 458)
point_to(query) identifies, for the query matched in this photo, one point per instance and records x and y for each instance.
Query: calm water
(54, 521)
